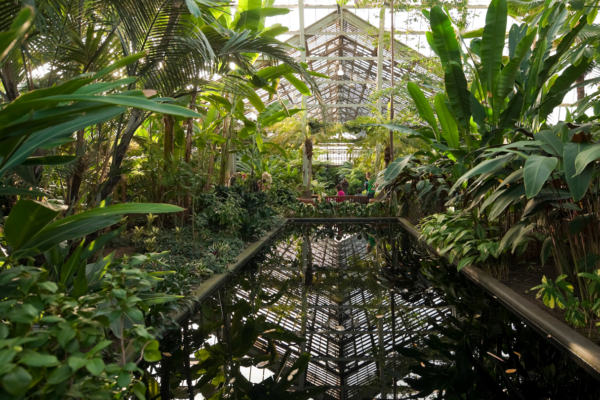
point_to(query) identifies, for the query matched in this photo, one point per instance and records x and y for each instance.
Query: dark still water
(358, 311)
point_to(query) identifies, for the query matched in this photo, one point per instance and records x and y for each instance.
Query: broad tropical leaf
(444, 36)
(586, 156)
(492, 42)
(536, 172)
(487, 166)
(423, 106)
(578, 182)
(449, 128)
(458, 94)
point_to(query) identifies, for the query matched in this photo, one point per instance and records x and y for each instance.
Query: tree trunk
(123, 188)
(9, 82)
(223, 166)
(114, 175)
(190, 131)
(188, 151)
(80, 168)
(308, 151)
(169, 121)
(581, 89)
(211, 164)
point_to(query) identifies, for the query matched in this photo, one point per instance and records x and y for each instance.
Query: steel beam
(334, 7)
(337, 58)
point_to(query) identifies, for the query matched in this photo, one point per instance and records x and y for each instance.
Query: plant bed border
(577, 347)
(209, 286)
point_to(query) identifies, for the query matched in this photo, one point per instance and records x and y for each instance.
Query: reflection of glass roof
(342, 302)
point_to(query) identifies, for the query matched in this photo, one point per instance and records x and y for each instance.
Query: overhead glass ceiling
(359, 28)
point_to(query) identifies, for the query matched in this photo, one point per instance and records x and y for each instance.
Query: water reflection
(358, 311)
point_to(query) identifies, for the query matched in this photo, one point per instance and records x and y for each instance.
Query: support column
(306, 173)
(392, 65)
(381, 345)
(380, 55)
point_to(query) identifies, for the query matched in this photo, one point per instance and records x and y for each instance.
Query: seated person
(340, 193)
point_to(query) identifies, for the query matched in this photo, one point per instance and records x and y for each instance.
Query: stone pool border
(577, 347)
(209, 286)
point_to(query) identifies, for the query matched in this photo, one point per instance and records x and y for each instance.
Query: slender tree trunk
(188, 151)
(9, 81)
(123, 188)
(211, 164)
(169, 138)
(223, 166)
(190, 131)
(581, 89)
(80, 168)
(114, 175)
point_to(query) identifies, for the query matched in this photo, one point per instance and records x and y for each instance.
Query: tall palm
(184, 46)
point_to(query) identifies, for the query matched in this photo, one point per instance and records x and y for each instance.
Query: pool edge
(577, 347)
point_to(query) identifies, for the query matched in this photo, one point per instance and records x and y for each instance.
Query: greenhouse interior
(280, 199)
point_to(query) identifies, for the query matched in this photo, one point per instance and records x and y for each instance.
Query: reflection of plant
(485, 352)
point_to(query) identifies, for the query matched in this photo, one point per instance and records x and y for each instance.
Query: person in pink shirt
(340, 193)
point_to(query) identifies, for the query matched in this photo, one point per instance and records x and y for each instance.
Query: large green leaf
(298, 84)
(512, 112)
(506, 81)
(11, 39)
(26, 219)
(250, 11)
(565, 44)
(536, 172)
(449, 128)
(509, 196)
(49, 160)
(423, 106)
(578, 182)
(255, 100)
(62, 130)
(10, 191)
(586, 156)
(395, 168)
(84, 223)
(551, 140)
(458, 93)
(444, 36)
(492, 43)
(561, 86)
(487, 166)
(119, 100)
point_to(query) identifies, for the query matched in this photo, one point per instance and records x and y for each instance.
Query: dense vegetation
(136, 158)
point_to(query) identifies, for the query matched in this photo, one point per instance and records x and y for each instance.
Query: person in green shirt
(370, 185)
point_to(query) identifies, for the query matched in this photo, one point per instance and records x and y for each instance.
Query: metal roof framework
(344, 40)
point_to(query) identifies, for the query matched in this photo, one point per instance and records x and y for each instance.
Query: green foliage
(456, 235)
(342, 210)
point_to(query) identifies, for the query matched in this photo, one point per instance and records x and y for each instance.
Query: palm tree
(185, 47)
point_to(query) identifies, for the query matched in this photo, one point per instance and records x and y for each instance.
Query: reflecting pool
(358, 311)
